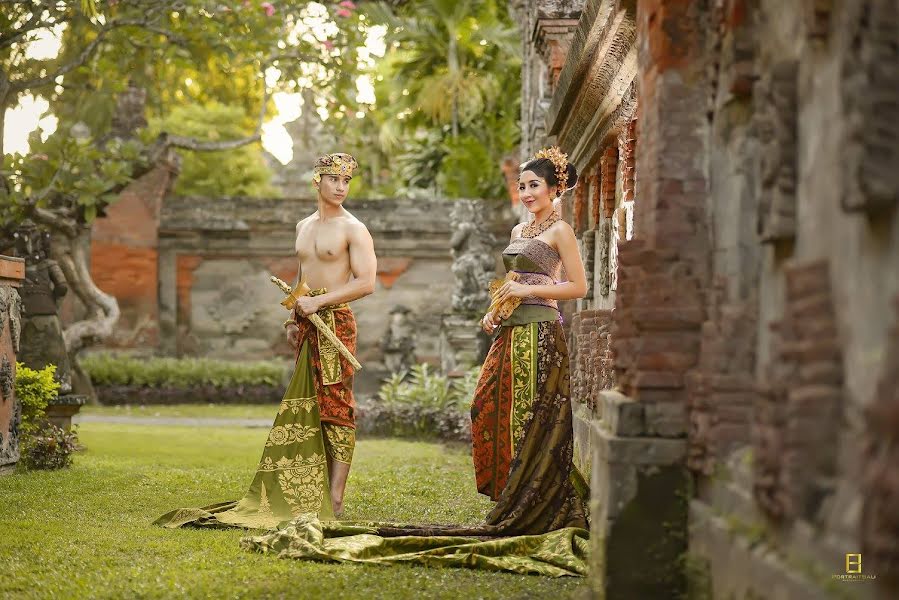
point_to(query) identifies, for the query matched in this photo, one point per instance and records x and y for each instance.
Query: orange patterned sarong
(333, 374)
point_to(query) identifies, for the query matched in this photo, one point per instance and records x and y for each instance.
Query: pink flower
(344, 13)
(348, 4)
(328, 44)
(269, 9)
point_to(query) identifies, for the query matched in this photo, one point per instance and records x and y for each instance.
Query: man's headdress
(560, 161)
(334, 164)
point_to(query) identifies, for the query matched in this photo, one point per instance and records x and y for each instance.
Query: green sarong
(559, 553)
(292, 476)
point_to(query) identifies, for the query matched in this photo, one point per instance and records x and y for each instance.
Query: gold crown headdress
(560, 161)
(334, 164)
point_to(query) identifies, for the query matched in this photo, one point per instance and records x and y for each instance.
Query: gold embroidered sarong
(292, 476)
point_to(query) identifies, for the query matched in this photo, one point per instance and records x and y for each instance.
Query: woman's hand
(512, 289)
(489, 323)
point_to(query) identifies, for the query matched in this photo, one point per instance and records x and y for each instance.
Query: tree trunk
(102, 308)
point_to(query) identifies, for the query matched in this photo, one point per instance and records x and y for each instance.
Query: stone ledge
(636, 451)
(621, 415)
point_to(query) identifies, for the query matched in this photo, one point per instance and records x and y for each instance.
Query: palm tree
(447, 54)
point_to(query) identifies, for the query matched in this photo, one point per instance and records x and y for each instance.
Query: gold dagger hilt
(293, 294)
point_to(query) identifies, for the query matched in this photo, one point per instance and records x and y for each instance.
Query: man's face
(334, 188)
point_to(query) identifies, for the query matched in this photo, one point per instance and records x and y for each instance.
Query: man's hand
(293, 335)
(306, 305)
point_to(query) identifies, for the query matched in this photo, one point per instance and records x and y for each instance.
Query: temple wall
(191, 274)
(739, 342)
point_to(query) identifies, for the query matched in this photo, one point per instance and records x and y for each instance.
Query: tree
(448, 84)
(66, 182)
(238, 172)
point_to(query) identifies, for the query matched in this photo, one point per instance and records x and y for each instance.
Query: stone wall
(12, 273)
(191, 274)
(738, 220)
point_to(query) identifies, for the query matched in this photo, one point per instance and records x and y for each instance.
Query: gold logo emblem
(854, 569)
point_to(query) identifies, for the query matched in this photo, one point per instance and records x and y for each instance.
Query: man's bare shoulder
(353, 224)
(307, 220)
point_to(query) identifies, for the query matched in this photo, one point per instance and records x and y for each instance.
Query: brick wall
(591, 357)
(124, 256)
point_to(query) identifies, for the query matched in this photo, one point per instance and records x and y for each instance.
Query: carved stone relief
(6, 379)
(775, 124)
(870, 74)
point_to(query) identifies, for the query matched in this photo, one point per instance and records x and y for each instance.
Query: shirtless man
(336, 253)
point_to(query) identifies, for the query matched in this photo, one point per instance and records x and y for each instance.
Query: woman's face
(534, 192)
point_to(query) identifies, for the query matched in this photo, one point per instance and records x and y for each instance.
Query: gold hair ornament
(560, 161)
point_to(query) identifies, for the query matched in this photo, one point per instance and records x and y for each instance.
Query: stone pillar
(638, 507)
(12, 273)
(640, 481)
(168, 301)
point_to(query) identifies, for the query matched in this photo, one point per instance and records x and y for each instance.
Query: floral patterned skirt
(522, 440)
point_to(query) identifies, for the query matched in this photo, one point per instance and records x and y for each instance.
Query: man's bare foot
(338, 509)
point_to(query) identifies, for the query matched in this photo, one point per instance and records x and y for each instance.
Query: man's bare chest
(322, 242)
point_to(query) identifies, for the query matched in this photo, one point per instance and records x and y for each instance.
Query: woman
(521, 425)
(521, 414)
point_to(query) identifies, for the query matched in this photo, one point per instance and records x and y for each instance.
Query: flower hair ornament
(560, 161)
(334, 164)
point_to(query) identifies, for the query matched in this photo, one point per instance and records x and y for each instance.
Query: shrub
(35, 390)
(111, 369)
(50, 447)
(427, 405)
(43, 445)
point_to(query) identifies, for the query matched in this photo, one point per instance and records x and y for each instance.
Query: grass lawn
(85, 531)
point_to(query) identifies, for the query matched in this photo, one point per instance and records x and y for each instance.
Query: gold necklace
(532, 230)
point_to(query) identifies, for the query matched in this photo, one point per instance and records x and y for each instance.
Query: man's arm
(364, 266)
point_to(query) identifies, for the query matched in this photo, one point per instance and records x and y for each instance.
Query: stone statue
(44, 285)
(398, 344)
(474, 265)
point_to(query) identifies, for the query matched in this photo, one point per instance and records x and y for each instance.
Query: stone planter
(12, 272)
(60, 411)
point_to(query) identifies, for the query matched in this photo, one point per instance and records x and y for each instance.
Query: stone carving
(776, 128)
(473, 262)
(398, 344)
(43, 287)
(6, 379)
(11, 310)
(605, 242)
(870, 90)
(588, 251)
(231, 309)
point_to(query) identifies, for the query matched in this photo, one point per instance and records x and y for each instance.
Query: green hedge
(118, 370)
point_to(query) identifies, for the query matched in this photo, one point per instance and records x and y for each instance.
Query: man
(337, 259)
(307, 456)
